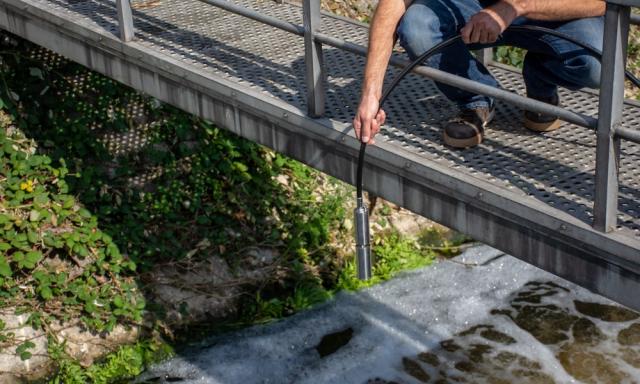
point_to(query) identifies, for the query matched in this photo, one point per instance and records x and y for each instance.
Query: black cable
(364, 259)
(446, 43)
(385, 95)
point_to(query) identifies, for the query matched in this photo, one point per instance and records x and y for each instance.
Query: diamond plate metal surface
(556, 168)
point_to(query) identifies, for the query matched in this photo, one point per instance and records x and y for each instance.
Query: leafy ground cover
(99, 184)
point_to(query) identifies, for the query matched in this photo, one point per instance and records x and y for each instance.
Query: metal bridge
(288, 77)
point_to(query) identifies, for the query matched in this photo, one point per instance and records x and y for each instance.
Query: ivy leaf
(34, 215)
(18, 257)
(41, 199)
(83, 212)
(22, 350)
(118, 302)
(25, 356)
(36, 72)
(68, 202)
(33, 237)
(45, 292)
(32, 258)
(5, 268)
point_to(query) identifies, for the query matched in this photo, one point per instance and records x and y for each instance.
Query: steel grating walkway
(554, 169)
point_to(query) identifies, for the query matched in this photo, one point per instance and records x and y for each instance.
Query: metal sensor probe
(361, 213)
(363, 245)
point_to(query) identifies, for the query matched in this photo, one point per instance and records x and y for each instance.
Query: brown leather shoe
(539, 122)
(467, 129)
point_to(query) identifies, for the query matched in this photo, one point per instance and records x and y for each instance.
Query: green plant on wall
(83, 227)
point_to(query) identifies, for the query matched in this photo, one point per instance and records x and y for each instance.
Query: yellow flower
(27, 186)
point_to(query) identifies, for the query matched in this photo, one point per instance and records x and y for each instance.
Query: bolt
(563, 227)
(407, 165)
(480, 195)
(285, 115)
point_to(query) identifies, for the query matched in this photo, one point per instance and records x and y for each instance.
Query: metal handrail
(617, 20)
(432, 73)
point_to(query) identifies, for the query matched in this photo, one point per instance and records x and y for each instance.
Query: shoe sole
(471, 141)
(462, 143)
(541, 127)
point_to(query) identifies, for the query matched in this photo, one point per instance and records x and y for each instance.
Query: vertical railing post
(485, 56)
(313, 59)
(614, 55)
(125, 20)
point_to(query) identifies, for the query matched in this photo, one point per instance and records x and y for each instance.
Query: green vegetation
(510, 56)
(51, 243)
(393, 253)
(127, 362)
(85, 215)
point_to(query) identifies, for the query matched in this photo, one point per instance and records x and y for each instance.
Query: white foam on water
(396, 323)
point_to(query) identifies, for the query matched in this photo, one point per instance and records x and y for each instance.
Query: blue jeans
(550, 62)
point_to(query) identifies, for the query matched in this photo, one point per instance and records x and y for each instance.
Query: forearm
(557, 10)
(381, 40)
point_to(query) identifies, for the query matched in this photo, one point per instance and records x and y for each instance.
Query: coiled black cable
(446, 43)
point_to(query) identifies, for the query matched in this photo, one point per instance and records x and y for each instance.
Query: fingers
(381, 117)
(357, 125)
(367, 128)
(465, 32)
(484, 28)
(366, 131)
(368, 119)
(476, 33)
(494, 37)
(376, 124)
(375, 128)
(484, 36)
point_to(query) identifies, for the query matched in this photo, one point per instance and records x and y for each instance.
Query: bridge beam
(526, 228)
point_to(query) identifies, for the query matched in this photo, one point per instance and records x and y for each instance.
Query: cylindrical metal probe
(363, 246)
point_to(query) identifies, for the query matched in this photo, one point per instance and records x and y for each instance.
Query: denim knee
(421, 28)
(583, 70)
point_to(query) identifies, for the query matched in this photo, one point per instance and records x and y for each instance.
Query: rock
(408, 222)
(86, 347)
(195, 291)
(590, 366)
(80, 344)
(7, 378)
(604, 312)
(630, 335)
(355, 9)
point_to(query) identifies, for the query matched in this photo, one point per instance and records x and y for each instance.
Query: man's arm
(487, 25)
(381, 40)
(558, 10)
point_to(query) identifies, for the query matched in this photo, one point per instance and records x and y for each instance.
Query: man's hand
(368, 119)
(486, 26)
